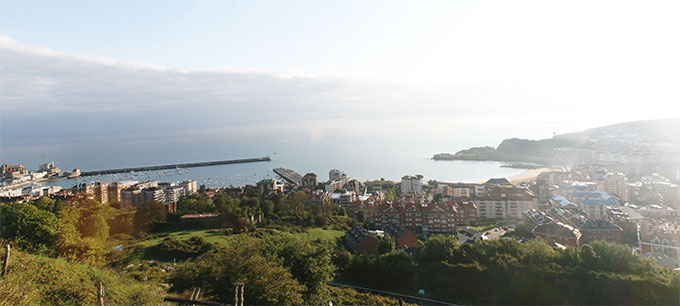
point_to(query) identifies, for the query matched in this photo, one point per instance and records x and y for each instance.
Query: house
(309, 181)
(468, 235)
(660, 240)
(404, 238)
(558, 232)
(360, 241)
(598, 229)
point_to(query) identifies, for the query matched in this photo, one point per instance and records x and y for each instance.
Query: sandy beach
(529, 175)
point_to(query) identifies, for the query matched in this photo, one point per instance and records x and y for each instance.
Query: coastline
(530, 175)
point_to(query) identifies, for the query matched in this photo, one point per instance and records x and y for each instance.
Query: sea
(364, 157)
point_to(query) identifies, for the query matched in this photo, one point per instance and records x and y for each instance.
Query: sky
(79, 70)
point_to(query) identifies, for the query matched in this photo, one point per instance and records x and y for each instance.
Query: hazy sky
(441, 68)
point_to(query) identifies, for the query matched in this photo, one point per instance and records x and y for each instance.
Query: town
(564, 208)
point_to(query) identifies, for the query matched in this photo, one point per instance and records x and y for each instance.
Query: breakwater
(289, 176)
(176, 166)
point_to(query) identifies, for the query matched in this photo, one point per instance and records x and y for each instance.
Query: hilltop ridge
(638, 141)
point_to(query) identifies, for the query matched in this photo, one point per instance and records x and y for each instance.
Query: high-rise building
(615, 183)
(101, 192)
(336, 175)
(190, 186)
(411, 184)
(131, 197)
(155, 194)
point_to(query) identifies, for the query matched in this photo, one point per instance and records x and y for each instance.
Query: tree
(147, 214)
(386, 245)
(267, 282)
(240, 225)
(70, 241)
(361, 216)
(94, 226)
(31, 228)
(309, 264)
(437, 249)
(46, 204)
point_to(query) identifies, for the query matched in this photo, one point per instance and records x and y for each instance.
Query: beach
(530, 175)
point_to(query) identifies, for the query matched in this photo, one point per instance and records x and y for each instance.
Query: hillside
(39, 280)
(639, 141)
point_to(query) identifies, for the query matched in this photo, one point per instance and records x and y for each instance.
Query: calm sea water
(361, 157)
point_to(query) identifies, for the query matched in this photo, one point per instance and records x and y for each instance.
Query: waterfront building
(50, 168)
(13, 170)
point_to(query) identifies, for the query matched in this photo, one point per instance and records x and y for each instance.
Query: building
(101, 192)
(498, 182)
(309, 181)
(13, 170)
(598, 229)
(320, 198)
(626, 218)
(336, 175)
(190, 186)
(505, 202)
(172, 194)
(131, 197)
(404, 238)
(50, 168)
(343, 198)
(411, 184)
(660, 240)
(558, 232)
(153, 194)
(360, 241)
(334, 186)
(468, 235)
(616, 184)
(269, 185)
(115, 188)
(431, 218)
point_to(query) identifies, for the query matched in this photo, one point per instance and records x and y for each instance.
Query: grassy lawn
(211, 235)
(313, 234)
(221, 239)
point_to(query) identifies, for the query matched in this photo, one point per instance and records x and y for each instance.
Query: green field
(222, 239)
